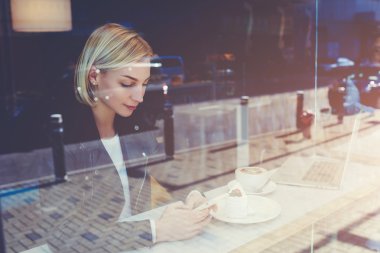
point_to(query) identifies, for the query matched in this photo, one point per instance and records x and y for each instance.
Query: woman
(85, 212)
(111, 77)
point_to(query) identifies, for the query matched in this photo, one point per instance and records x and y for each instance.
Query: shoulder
(79, 124)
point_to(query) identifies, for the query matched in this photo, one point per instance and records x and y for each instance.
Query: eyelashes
(129, 85)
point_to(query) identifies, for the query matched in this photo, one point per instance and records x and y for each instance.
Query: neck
(104, 118)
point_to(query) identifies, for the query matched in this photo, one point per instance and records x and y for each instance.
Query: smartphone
(211, 202)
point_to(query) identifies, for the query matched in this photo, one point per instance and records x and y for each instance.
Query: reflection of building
(347, 27)
(284, 30)
(267, 34)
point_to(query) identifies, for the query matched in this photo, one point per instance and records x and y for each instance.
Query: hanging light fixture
(41, 15)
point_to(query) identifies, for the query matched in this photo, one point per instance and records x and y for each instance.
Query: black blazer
(90, 155)
(101, 199)
(102, 191)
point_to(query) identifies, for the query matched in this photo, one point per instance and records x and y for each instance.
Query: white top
(113, 148)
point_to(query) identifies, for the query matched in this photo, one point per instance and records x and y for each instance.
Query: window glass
(193, 126)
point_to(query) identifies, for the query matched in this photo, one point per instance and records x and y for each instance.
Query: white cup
(252, 179)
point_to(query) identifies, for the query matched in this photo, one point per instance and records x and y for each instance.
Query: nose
(138, 93)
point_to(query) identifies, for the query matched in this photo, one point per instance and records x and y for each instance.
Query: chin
(125, 114)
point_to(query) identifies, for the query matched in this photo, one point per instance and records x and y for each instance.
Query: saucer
(269, 188)
(260, 209)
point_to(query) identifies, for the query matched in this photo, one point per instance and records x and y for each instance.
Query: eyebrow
(134, 78)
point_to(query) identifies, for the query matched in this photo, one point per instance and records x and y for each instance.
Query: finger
(178, 205)
(193, 198)
(198, 216)
(198, 228)
(195, 230)
(175, 208)
(204, 213)
(190, 204)
(213, 208)
(202, 200)
(199, 201)
(205, 222)
(193, 193)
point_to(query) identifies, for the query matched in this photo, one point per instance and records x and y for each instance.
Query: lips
(132, 108)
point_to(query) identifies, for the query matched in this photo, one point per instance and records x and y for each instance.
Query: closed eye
(127, 85)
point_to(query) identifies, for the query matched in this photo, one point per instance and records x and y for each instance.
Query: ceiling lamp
(41, 15)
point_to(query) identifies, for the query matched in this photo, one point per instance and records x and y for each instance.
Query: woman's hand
(195, 199)
(180, 221)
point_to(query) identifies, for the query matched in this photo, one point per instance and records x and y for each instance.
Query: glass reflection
(274, 105)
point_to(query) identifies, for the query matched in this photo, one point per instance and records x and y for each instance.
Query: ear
(94, 75)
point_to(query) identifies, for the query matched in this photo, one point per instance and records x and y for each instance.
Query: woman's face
(121, 90)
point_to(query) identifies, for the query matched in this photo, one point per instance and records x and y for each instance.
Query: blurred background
(209, 50)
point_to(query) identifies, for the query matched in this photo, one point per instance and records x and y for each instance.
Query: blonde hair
(111, 46)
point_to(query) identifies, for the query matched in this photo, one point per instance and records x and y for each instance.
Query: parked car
(339, 67)
(221, 67)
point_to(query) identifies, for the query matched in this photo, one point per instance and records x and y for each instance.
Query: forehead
(136, 70)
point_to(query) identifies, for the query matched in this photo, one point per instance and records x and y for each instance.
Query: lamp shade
(41, 15)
